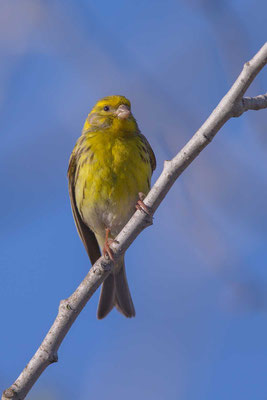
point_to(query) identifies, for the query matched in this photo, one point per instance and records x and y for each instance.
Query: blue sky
(198, 276)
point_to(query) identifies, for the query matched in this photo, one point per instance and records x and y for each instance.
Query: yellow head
(111, 113)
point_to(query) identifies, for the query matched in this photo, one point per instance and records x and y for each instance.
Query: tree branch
(232, 105)
(250, 103)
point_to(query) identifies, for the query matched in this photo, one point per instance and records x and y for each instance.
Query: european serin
(111, 164)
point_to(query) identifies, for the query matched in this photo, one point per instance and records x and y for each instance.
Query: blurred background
(198, 277)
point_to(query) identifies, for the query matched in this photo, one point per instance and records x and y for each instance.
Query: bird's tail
(115, 292)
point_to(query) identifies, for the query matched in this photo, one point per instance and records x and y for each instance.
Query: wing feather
(152, 156)
(87, 236)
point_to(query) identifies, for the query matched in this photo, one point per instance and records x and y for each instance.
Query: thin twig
(232, 105)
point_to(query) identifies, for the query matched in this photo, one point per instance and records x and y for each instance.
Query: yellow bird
(109, 172)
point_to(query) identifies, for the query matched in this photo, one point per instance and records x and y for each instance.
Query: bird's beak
(123, 112)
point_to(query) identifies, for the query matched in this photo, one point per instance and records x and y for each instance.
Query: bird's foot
(107, 252)
(140, 205)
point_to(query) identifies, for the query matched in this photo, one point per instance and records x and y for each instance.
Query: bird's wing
(152, 156)
(87, 236)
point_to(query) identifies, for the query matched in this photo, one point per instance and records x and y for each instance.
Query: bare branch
(250, 103)
(232, 105)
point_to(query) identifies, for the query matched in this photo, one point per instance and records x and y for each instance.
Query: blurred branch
(232, 105)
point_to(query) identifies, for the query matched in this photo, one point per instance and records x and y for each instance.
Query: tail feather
(115, 292)
(123, 299)
(107, 297)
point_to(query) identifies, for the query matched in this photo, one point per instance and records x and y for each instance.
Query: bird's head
(113, 113)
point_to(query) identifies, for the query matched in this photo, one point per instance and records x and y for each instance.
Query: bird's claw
(140, 205)
(107, 252)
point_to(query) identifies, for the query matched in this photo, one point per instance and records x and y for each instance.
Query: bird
(109, 175)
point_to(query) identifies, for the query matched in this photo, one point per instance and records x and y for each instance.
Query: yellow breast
(111, 172)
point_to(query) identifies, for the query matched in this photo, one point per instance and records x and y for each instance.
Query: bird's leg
(106, 249)
(140, 205)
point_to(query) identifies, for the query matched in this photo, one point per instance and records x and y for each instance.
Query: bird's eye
(106, 108)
